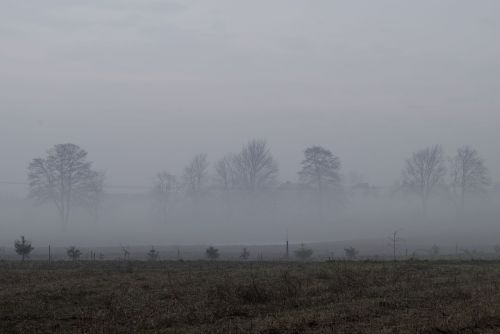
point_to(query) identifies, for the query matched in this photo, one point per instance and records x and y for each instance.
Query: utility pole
(50, 259)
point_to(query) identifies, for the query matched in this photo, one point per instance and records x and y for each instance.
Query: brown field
(232, 297)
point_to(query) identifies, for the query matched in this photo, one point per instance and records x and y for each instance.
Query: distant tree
(23, 248)
(73, 253)
(65, 178)
(94, 201)
(254, 168)
(304, 253)
(212, 253)
(224, 173)
(468, 173)
(153, 254)
(165, 191)
(434, 251)
(245, 254)
(351, 252)
(320, 169)
(195, 175)
(423, 172)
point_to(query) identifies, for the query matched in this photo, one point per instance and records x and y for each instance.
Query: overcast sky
(144, 85)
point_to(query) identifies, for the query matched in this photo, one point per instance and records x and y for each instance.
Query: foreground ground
(202, 297)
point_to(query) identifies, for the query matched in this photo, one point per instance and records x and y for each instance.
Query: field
(254, 297)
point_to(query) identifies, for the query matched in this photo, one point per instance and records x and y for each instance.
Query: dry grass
(203, 297)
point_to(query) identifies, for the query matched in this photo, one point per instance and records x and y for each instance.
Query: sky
(144, 85)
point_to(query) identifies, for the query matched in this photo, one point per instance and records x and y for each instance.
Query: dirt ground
(266, 297)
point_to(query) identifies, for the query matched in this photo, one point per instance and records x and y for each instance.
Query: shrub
(73, 253)
(212, 253)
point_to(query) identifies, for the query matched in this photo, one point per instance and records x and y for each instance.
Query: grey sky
(143, 85)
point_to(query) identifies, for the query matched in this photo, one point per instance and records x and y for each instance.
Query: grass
(233, 297)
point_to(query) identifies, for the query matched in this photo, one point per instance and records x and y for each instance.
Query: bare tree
(165, 191)
(423, 172)
(195, 175)
(320, 169)
(23, 247)
(254, 167)
(95, 195)
(468, 173)
(224, 173)
(64, 177)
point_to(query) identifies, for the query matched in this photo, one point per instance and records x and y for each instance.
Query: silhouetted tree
(73, 253)
(195, 175)
(423, 172)
(153, 254)
(63, 177)
(165, 191)
(468, 173)
(245, 254)
(303, 253)
(95, 188)
(212, 253)
(254, 167)
(23, 248)
(224, 173)
(320, 169)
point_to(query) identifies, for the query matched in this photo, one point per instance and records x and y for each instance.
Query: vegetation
(203, 297)
(23, 248)
(65, 178)
(212, 253)
(153, 254)
(73, 253)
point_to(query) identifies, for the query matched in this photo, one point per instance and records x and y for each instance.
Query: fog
(144, 86)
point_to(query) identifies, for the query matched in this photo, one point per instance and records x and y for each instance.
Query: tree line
(66, 178)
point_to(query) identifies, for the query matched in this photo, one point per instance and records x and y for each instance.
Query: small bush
(73, 253)
(212, 253)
